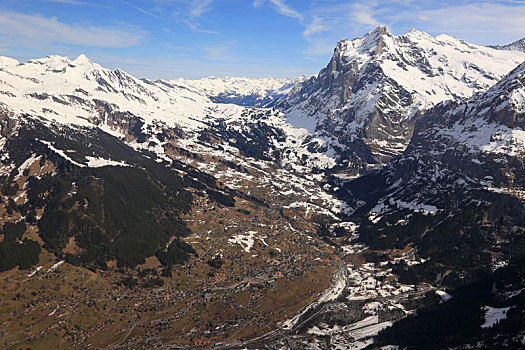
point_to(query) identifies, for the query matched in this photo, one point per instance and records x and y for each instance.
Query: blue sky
(255, 38)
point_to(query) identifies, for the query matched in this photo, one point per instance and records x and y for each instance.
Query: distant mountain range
(518, 45)
(262, 92)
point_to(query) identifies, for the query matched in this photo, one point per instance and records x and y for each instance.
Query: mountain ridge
(365, 102)
(518, 45)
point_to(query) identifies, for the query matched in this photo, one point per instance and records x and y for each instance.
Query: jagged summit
(375, 38)
(367, 99)
(368, 43)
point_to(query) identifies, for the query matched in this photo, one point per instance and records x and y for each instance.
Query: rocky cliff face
(366, 101)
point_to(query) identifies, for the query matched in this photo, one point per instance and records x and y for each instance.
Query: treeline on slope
(15, 251)
(177, 253)
(458, 321)
(457, 242)
(93, 215)
(456, 246)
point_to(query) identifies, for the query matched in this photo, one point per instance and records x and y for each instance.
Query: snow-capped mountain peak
(82, 60)
(366, 101)
(82, 92)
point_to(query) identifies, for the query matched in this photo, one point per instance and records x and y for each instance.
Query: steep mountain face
(518, 45)
(457, 192)
(366, 101)
(262, 92)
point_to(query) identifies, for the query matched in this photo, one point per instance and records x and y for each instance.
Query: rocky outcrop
(518, 45)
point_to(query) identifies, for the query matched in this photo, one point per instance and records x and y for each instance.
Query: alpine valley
(377, 204)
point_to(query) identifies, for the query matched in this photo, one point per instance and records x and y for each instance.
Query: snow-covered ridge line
(241, 85)
(518, 45)
(259, 92)
(489, 122)
(78, 91)
(374, 87)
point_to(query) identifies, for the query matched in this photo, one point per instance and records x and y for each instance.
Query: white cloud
(363, 14)
(141, 10)
(28, 30)
(220, 52)
(258, 3)
(195, 9)
(69, 2)
(319, 47)
(486, 23)
(281, 7)
(314, 27)
(286, 10)
(199, 7)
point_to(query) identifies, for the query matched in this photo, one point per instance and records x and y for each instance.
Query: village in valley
(256, 272)
(264, 265)
(249, 274)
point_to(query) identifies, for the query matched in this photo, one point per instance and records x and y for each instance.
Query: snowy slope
(366, 101)
(492, 122)
(84, 93)
(459, 147)
(80, 92)
(241, 90)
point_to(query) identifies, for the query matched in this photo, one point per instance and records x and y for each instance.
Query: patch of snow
(443, 295)
(246, 241)
(25, 165)
(94, 162)
(494, 315)
(55, 266)
(38, 269)
(53, 312)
